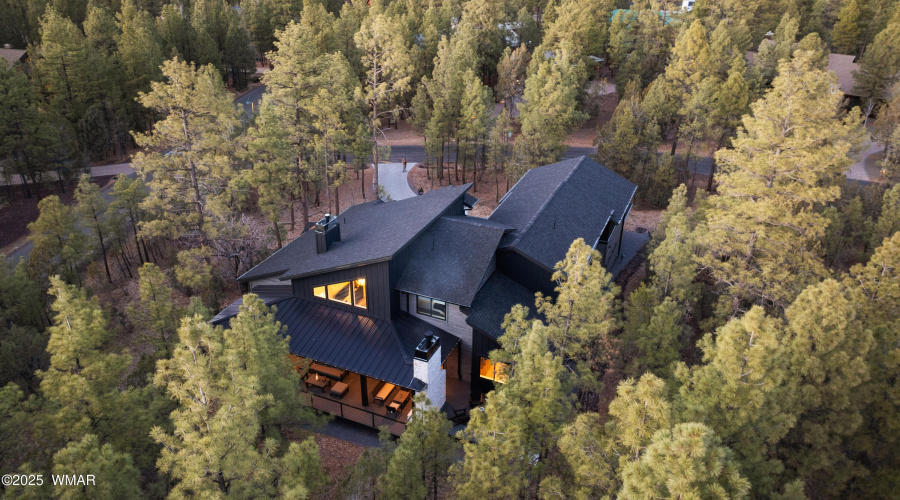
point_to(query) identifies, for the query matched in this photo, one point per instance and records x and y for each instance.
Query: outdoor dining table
(317, 381)
(399, 400)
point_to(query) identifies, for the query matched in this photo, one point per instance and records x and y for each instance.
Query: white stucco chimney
(427, 368)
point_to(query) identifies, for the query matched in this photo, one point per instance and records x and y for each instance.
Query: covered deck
(358, 400)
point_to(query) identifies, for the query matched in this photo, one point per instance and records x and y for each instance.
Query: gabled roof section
(450, 259)
(370, 232)
(375, 348)
(553, 205)
(494, 301)
(12, 56)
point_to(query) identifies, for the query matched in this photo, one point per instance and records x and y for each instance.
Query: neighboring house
(13, 56)
(392, 298)
(842, 65)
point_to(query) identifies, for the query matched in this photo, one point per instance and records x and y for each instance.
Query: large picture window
(348, 292)
(434, 308)
(493, 371)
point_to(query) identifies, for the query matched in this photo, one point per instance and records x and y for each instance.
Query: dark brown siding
(525, 272)
(378, 288)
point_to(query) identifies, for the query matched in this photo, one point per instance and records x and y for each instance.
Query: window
(348, 292)
(431, 307)
(339, 292)
(359, 293)
(493, 371)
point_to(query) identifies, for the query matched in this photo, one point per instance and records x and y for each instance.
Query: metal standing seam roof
(553, 205)
(370, 232)
(450, 260)
(375, 348)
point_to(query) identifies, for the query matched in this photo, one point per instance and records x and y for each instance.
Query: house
(13, 56)
(389, 299)
(842, 65)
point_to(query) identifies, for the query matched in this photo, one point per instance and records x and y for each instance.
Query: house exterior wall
(525, 272)
(610, 250)
(482, 346)
(378, 288)
(455, 324)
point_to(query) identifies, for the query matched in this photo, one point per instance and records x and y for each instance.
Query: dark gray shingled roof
(450, 259)
(370, 232)
(494, 301)
(372, 347)
(553, 205)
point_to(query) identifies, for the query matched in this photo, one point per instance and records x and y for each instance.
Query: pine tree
(511, 75)
(581, 25)
(730, 103)
(763, 227)
(92, 208)
(828, 348)
(189, 182)
(58, 243)
(673, 265)
(214, 448)
(27, 136)
(81, 384)
(127, 195)
(875, 293)
(421, 462)
(388, 70)
(140, 49)
(744, 393)
(549, 109)
(597, 452)
(845, 35)
(156, 311)
(474, 120)
(507, 445)
(889, 221)
(879, 66)
(114, 473)
(263, 352)
(660, 342)
(687, 462)
(582, 317)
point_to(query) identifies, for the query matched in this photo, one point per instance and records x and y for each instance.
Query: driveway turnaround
(393, 179)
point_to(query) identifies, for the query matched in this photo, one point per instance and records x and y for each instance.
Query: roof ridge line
(547, 201)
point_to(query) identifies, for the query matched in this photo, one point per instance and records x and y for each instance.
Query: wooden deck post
(364, 390)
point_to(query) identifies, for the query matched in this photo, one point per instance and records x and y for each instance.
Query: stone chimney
(427, 368)
(328, 231)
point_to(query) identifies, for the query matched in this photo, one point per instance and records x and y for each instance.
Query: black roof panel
(449, 260)
(494, 301)
(372, 347)
(553, 205)
(369, 232)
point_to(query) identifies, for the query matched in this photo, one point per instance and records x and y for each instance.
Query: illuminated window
(339, 292)
(431, 307)
(348, 292)
(493, 371)
(359, 293)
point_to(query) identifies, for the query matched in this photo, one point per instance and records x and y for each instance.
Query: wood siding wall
(610, 251)
(455, 324)
(378, 288)
(525, 272)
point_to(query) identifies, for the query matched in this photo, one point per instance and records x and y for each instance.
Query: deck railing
(355, 414)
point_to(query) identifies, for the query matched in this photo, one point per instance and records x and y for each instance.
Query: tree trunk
(304, 206)
(277, 233)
